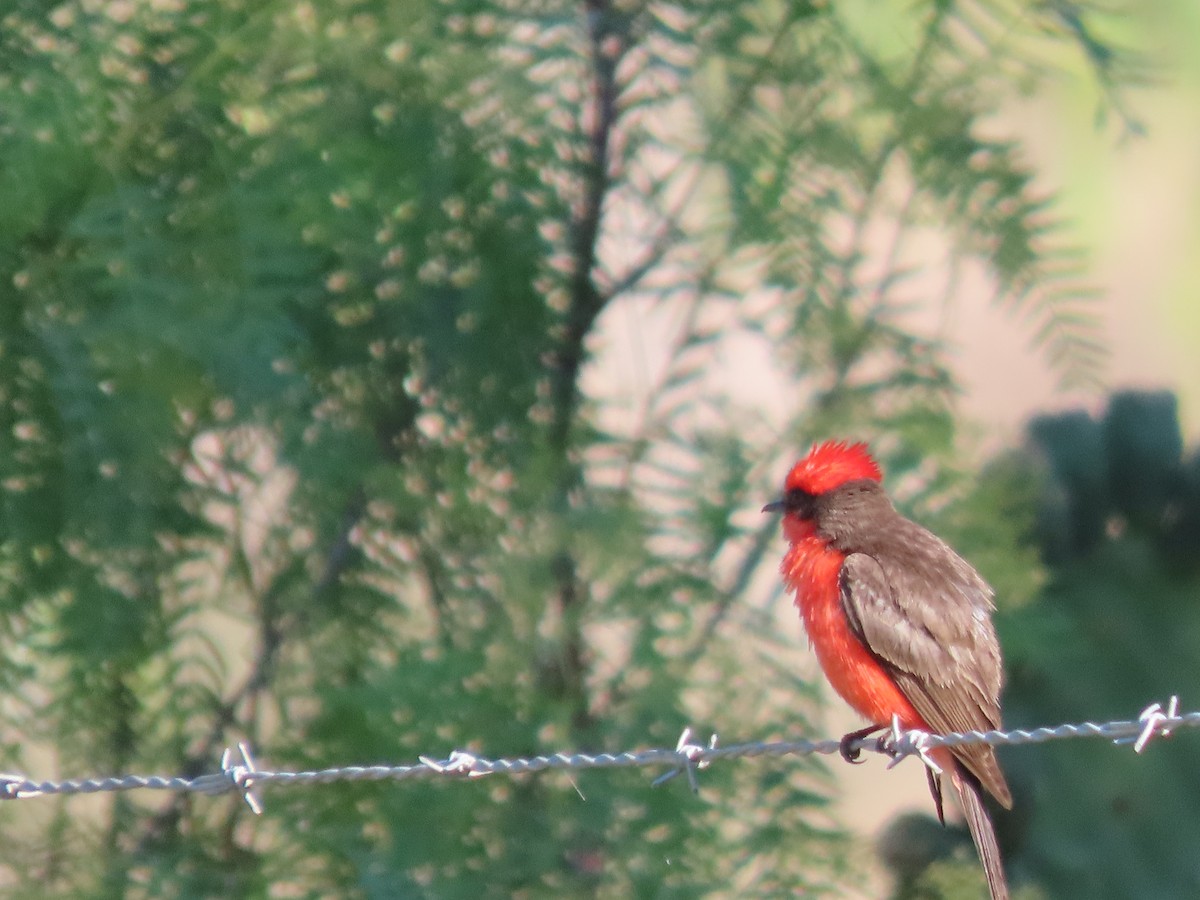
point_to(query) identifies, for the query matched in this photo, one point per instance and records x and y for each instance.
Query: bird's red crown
(830, 465)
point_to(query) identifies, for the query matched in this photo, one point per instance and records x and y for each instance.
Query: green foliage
(1115, 628)
(296, 301)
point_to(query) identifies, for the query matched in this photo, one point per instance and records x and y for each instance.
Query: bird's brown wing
(926, 615)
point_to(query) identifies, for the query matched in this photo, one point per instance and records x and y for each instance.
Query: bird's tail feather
(970, 794)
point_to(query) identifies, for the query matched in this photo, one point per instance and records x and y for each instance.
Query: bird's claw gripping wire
(849, 746)
(242, 775)
(691, 759)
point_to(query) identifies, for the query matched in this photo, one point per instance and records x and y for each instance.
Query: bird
(901, 625)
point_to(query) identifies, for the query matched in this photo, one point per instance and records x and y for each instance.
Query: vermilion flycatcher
(900, 623)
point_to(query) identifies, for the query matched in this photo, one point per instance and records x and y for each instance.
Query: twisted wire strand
(239, 771)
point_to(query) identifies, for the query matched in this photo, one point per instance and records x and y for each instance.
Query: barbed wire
(239, 771)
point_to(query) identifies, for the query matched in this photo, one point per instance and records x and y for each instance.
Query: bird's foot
(850, 753)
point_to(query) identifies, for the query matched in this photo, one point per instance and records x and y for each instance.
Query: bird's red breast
(812, 569)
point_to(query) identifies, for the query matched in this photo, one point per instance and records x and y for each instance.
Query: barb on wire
(459, 763)
(691, 760)
(900, 744)
(1156, 723)
(240, 773)
(242, 776)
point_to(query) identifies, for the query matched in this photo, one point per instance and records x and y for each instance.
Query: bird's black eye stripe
(797, 499)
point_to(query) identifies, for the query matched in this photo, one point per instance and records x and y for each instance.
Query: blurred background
(382, 379)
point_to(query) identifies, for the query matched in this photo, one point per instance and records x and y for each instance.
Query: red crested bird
(900, 623)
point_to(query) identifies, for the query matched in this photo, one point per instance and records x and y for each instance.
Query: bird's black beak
(775, 506)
